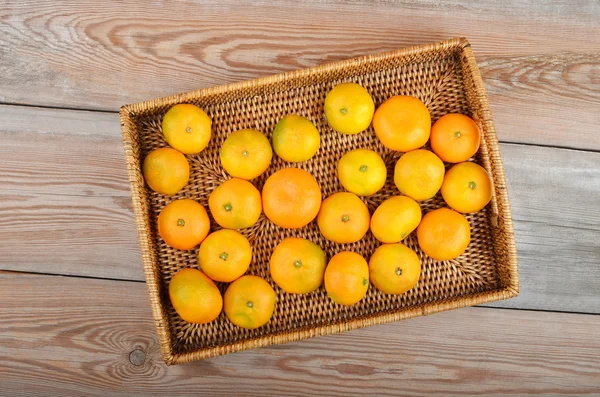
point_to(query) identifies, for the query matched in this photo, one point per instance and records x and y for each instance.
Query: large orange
(455, 138)
(291, 198)
(349, 108)
(444, 234)
(183, 224)
(187, 128)
(224, 255)
(343, 218)
(235, 204)
(362, 172)
(297, 265)
(347, 278)
(395, 219)
(402, 123)
(394, 268)
(195, 297)
(295, 138)
(249, 302)
(246, 154)
(467, 187)
(166, 170)
(419, 174)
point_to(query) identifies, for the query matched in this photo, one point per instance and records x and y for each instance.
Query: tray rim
(140, 203)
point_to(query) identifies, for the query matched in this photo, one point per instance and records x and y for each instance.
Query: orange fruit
(297, 265)
(249, 302)
(343, 218)
(183, 224)
(394, 268)
(402, 123)
(362, 172)
(349, 108)
(224, 255)
(455, 138)
(166, 170)
(246, 154)
(419, 174)
(395, 219)
(291, 198)
(443, 234)
(467, 187)
(235, 204)
(187, 128)
(195, 297)
(347, 278)
(296, 139)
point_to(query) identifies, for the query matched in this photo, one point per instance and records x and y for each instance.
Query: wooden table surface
(75, 318)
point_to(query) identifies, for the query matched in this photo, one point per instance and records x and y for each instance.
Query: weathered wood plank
(71, 213)
(69, 336)
(541, 75)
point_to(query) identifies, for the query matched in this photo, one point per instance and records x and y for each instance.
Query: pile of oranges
(292, 198)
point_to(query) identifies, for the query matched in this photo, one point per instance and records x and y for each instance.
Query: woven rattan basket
(444, 76)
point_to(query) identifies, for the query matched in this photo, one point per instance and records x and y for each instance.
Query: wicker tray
(444, 76)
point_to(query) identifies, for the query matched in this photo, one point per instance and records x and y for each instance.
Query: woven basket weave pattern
(444, 76)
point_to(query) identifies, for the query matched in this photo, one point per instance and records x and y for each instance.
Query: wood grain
(66, 207)
(542, 76)
(67, 336)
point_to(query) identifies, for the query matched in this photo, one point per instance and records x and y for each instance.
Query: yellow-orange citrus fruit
(419, 174)
(395, 219)
(444, 234)
(166, 170)
(249, 302)
(195, 297)
(343, 218)
(347, 278)
(224, 255)
(296, 139)
(467, 187)
(235, 204)
(187, 128)
(246, 154)
(402, 123)
(291, 198)
(362, 172)
(297, 265)
(183, 224)
(455, 138)
(394, 268)
(349, 108)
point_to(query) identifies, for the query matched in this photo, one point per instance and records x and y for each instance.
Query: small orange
(444, 234)
(249, 302)
(187, 128)
(467, 187)
(347, 278)
(291, 198)
(362, 172)
(455, 138)
(195, 297)
(296, 139)
(349, 108)
(297, 265)
(235, 204)
(343, 218)
(166, 170)
(419, 174)
(224, 255)
(395, 219)
(183, 224)
(402, 123)
(394, 268)
(246, 154)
